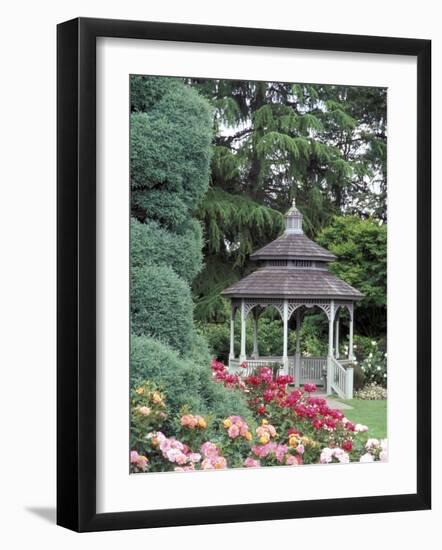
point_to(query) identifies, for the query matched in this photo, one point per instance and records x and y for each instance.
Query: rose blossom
(371, 443)
(194, 457)
(341, 455)
(361, 428)
(209, 449)
(366, 458)
(300, 449)
(134, 457)
(326, 455)
(233, 431)
(250, 462)
(292, 460)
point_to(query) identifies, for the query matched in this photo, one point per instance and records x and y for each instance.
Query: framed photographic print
(243, 274)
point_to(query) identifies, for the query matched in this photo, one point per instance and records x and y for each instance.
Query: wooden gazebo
(293, 276)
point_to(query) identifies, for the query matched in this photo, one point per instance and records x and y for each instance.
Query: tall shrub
(171, 133)
(162, 306)
(150, 243)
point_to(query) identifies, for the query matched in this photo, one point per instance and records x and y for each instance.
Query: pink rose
(134, 457)
(209, 449)
(194, 457)
(233, 431)
(250, 462)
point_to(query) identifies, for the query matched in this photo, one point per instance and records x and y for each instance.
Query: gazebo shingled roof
(290, 282)
(293, 246)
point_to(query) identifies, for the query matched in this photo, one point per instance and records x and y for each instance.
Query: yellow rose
(139, 391)
(248, 436)
(293, 441)
(145, 411)
(264, 439)
(156, 398)
(227, 423)
(202, 423)
(264, 421)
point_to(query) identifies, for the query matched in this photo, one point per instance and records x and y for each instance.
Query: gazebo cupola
(293, 276)
(293, 223)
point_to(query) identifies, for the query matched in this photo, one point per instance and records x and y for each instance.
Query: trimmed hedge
(161, 306)
(170, 153)
(145, 91)
(151, 244)
(183, 381)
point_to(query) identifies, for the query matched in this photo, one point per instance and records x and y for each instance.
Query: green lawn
(371, 413)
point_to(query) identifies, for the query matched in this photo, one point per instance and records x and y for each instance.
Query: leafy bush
(361, 249)
(151, 244)
(199, 349)
(372, 359)
(161, 306)
(184, 383)
(146, 91)
(371, 392)
(170, 153)
(358, 377)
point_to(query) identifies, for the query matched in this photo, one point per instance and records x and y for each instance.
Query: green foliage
(232, 220)
(151, 244)
(184, 382)
(170, 149)
(171, 131)
(234, 226)
(145, 92)
(361, 250)
(161, 306)
(358, 377)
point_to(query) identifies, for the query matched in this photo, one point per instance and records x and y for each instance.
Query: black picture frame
(76, 273)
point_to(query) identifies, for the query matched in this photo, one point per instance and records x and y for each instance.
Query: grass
(371, 413)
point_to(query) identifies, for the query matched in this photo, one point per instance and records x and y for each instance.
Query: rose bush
(288, 426)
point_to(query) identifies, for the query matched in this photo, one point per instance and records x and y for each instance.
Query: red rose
(347, 445)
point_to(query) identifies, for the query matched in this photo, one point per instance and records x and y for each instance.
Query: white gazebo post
(337, 335)
(285, 358)
(330, 346)
(255, 353)
(242, 356)
(298, 349)
(350, 335)
(232, 332)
